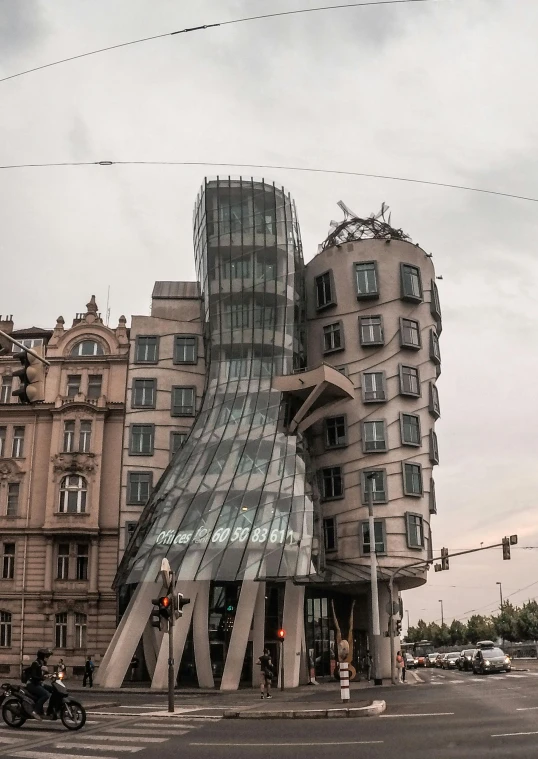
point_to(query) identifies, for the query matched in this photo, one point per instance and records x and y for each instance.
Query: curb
(373, 709)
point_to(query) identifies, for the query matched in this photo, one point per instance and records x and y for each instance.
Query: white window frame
(377, 387)
(67, 488)
(368, 330)
(60, 629)
(17, 447)
(6, 622)
(370, 436)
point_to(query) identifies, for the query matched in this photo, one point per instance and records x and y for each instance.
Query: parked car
(439, 661)
(491, 660)
(431, 659)
(450, 660)
(465, 662)
(409, 661)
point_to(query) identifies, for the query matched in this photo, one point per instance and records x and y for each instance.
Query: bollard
(344, 681)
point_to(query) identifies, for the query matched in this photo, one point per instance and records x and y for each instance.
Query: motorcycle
(18, 704)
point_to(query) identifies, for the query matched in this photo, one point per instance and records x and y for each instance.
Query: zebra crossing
(106, 739)
(441, 679)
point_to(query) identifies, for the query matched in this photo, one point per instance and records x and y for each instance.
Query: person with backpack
(88, 672)
(267, 673)
(34, 677)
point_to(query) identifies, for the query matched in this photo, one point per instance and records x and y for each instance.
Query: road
(446, 716)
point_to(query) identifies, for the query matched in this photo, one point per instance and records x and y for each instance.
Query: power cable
(210, 26)
(275, 168)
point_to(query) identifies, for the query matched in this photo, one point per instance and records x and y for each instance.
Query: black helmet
(44, 653)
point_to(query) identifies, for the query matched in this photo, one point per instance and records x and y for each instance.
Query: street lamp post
(442, 614)
(501, 593)
(408, 625)
(376, 629)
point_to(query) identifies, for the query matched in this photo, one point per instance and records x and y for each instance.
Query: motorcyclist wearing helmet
(36, 685)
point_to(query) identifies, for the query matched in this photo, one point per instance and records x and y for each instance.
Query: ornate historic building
(60, 492)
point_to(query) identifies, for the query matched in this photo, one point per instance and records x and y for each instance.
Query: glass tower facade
(236, 501)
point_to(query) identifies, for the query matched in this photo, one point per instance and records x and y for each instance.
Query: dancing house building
(315, 376)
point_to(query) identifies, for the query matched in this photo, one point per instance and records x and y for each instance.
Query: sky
(442, 91)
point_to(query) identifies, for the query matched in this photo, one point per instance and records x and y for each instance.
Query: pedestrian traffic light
(165, 607)
(156, 614)
(31, 377)
(181, 602)
(281, 634)
(445, 564)
(506, 549)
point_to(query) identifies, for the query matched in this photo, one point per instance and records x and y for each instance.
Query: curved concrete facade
(376, 279)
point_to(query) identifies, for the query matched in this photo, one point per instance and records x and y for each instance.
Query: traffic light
(156, 614)
(181, 602)
(506, 548)
(31, 376)
(445, 564)
(162, 609)
(398, 627)
(281, 634)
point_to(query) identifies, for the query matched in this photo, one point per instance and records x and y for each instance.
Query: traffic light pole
(24, 348)
(171, 672)
(424, 563)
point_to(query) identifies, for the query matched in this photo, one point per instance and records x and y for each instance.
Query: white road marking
(175, 726)
(100, 747)
(270, 745)
(431, 714)
(509, 735)
(155, 706)
(526, 708)
(127, 738)
(10, 740)
(518, 676)
(133, 730)
(47, 755)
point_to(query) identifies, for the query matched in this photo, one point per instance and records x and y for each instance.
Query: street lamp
(442, 614)
(408, 625)
(501, 593)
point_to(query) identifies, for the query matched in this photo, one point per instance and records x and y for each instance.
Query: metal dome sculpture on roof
(375, 227)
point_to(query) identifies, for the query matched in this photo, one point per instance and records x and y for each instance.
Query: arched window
(88, 348)
(73, 492)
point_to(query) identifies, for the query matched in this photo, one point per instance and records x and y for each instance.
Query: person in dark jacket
(88, 672)
(36, 685)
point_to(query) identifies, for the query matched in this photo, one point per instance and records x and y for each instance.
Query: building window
(69, 437)
(130, 528)
(379, 485)
(13, 490)
(325, 290)
(88, 348)
(373, 387)
(5, 390)
(371, 330)
(432, 499)
(435, 351)
(81, 626)
(139, 486)
(29, 342)
(5, 629)
(410, 334)
(82, 561)
(433, 405)
(60, 630)
(73, 491)
(434, 448)
(17, 450)
(410, 429)
(142, 439)
(95, 383)
(183, 401)
(412, 479)
(335, 432)
(8, 561)
(333, 337)
(332, 483)
(329, 533)
(185, 349)
(366, 279)
(409, 380)
(85, 438)
(147, 349)
(373, 437)
(73, 385)
(177, 441)
(411, 283)
(415, 530)
(3, 431)
(63, 562)
(435, 304)
(379, 532)
(143, 394)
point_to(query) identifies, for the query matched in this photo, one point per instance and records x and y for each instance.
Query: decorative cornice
(74, 463)
(10, 471)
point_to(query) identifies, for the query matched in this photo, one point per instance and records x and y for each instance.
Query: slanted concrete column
(293, 623)
(258, 633)
(200, 634)
(384, 653)
(240, 636)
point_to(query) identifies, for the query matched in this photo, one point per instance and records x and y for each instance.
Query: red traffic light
(281, 634)
(165, 602)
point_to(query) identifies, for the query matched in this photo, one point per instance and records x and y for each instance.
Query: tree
(480, 628)
(458, 633)
(528, 621)
(439, 634)
(418, 633)
(507, 623)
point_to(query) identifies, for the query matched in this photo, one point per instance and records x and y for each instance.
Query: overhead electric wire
(210, 26)
(339, 172)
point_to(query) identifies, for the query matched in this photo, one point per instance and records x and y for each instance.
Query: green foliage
(458, 633)
(527, 622)
(507, 623)
(480, 628)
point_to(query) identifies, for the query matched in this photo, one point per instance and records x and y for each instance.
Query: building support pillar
(200, 635)
(181, 630)
(293, 623)
(240, 635)
(258, 633)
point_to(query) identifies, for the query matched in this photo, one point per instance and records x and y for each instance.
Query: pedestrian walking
(400, 665)
(61, 668)
(266, 673)
(369, 662)
(134, 666)
(88, 672)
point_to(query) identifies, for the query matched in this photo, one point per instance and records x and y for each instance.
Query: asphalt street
(443, 715)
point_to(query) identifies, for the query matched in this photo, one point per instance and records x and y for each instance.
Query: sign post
(343, 668)
(168, 577)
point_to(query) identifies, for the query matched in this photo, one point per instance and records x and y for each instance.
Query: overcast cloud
(444, 91)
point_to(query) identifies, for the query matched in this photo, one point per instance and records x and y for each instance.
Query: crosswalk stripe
(147, 731)
(516, 676)
(126, 738)
(49, 755)
(100, 747)
(178, 726)
(9, 739)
